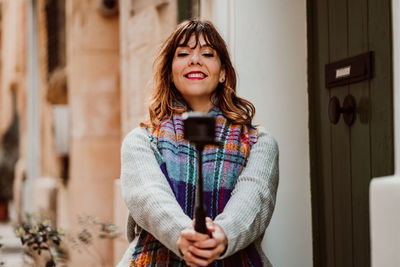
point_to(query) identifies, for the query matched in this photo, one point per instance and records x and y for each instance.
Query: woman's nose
(195, 59)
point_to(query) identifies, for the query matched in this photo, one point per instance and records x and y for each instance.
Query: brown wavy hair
(165, 94)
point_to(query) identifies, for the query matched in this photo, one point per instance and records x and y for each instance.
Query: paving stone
(11, 253)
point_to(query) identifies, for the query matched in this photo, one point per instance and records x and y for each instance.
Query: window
(188, 9)
(55, 17)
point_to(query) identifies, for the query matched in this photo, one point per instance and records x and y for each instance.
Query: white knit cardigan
(153, 207)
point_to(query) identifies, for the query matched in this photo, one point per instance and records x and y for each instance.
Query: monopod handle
(200, 223)
(199, 129)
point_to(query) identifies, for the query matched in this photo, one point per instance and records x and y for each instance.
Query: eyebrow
(201, 46)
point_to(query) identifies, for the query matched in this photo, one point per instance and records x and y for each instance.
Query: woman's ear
(222, 76)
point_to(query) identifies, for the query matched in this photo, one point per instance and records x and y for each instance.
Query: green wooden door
(345, 158)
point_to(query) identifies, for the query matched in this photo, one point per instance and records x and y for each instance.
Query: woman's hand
(186, 240)
(200, 249)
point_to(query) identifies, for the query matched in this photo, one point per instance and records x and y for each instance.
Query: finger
(202, 253)
(193, 236)
(210, 227)
(188, 262)
(191, 264)
(193, 259)
(183, 244)
(207, 254)
(206, 244)
(210, 224)
(219, 235)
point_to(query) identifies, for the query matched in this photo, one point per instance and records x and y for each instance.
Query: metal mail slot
(349, 70)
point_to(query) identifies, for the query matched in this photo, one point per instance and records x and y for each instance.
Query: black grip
(200, 224)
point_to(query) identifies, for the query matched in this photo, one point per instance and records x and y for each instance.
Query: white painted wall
(385, 192)
(268, 42)
(33, 109)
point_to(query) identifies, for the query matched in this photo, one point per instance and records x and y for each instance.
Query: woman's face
(196, 72)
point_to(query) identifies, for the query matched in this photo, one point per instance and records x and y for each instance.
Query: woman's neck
(201, 107)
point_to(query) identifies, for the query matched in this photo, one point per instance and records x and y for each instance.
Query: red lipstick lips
(196, 75)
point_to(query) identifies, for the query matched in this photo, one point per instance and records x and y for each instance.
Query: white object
(61, 129)
(385, 221)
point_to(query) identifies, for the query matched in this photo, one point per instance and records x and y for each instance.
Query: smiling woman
(165, 91)
(196, 72)
(193, 72)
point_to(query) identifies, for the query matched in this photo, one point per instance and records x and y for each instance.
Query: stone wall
(107, 81)
(94, 100)
(13, 70)
(144, 26)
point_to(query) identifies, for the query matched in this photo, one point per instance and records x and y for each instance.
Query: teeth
(196, 75)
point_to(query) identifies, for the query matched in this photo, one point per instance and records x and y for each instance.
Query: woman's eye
(208, 54)
(182, 54)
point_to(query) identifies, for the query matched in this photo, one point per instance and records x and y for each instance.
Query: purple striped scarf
(221, 168)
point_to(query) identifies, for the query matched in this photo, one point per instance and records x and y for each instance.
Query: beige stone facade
(101, 81)
(145, 24)
(13, 72)
(13, 60)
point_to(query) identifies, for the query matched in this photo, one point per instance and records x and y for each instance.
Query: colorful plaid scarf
(221, 168)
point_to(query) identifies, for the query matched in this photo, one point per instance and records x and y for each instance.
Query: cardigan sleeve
(249, 210)
(146, 191)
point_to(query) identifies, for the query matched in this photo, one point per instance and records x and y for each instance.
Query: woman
(194, 73)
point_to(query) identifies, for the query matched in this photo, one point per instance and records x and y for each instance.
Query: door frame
(316, 192)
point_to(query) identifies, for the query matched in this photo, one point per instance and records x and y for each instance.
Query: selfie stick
(200, 210)
(199, 129)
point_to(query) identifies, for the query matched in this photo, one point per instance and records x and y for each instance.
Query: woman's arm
(147, 193)
(249, 210)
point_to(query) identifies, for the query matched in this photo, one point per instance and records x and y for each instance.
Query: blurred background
(75, 77)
